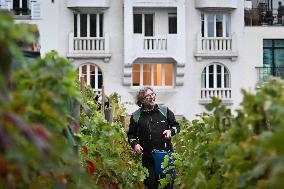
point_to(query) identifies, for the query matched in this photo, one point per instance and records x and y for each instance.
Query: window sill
(207, 101)
(159, 90)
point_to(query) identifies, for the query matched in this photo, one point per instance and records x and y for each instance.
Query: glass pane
(173, 23)
(101, 25)
(219, 25)
(157, 74)
(146, 74)
(168, 74)
(100, 79)
(203, 82)
(93, 25)
(211, 70)
(202, 25)
(25, 4)
(136, 74)
(219, 69)
(267, 57)
(228, 25)
(84, 69)
(83, 25)
(219, 80)
(75, 25)
(279, 57)
(149, 25)
(267, 43)
(211, 80)
(137, 23)
(16, 4)
(227, 79)
(279, 43)
(210, 25)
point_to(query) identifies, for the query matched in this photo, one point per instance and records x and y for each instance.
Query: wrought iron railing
(263, 73)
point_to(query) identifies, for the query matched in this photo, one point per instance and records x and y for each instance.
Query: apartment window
(92, 75)
(215, 76)
(152, 75)
(88, 25)
(273, 58)
(21, 7)
(215, 25)
(143, 24)
(172, 23)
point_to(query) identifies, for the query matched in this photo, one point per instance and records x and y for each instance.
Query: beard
(148, 105)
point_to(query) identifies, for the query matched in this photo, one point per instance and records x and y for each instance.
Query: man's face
(149, 98)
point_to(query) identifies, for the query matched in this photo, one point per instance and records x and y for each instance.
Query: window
(215, 25)
(88, 25)
(273, 57)
(152, 75)
(172, 23)
(143, 24)
(215, 76)
(92, 75)
(21, 7)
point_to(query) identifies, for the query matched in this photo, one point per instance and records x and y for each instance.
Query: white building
(187, 50)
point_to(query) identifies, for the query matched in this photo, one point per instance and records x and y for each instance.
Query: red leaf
(90, 167)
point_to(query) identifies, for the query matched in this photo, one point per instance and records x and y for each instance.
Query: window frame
(205, 77)
(226, 24)
(143, 14)
(88, 74)
(163, 79)
(99, 30)
(21, 9)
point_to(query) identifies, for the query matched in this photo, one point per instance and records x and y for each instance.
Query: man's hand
(138, 149)
(167, 133)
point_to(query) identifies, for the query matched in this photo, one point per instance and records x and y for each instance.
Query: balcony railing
(155, 44)
(263, 73)
(216, 44)
(216, 47)
(88, 46)
(224, 94)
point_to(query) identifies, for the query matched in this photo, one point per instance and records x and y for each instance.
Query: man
(280, 12)
(151, 127)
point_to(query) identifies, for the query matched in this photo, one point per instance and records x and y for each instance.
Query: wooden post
(103, 99)
(83, 86)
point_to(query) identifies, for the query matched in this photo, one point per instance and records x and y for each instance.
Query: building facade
(187, 50)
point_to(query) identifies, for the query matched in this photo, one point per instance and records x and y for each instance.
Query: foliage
(33, 112)
(106, 153)
(220, 151)
(119, 108)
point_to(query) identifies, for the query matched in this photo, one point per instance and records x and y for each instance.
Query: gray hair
(140, 96)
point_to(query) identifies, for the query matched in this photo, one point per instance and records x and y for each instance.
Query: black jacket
(148, 132)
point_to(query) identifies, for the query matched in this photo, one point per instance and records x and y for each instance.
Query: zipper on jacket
(150, 120)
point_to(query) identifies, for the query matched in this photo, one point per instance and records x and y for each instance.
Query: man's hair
(140, 95)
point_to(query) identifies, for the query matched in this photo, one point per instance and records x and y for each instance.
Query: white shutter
(5, 4)
(35, 9)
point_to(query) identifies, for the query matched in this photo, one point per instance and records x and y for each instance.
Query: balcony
(263, 17)
(263, 73)
(162, 46)
(224, 94)
(216, 47)
(154, 3)
(89, 47)
(88, 3)
(216, 4)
